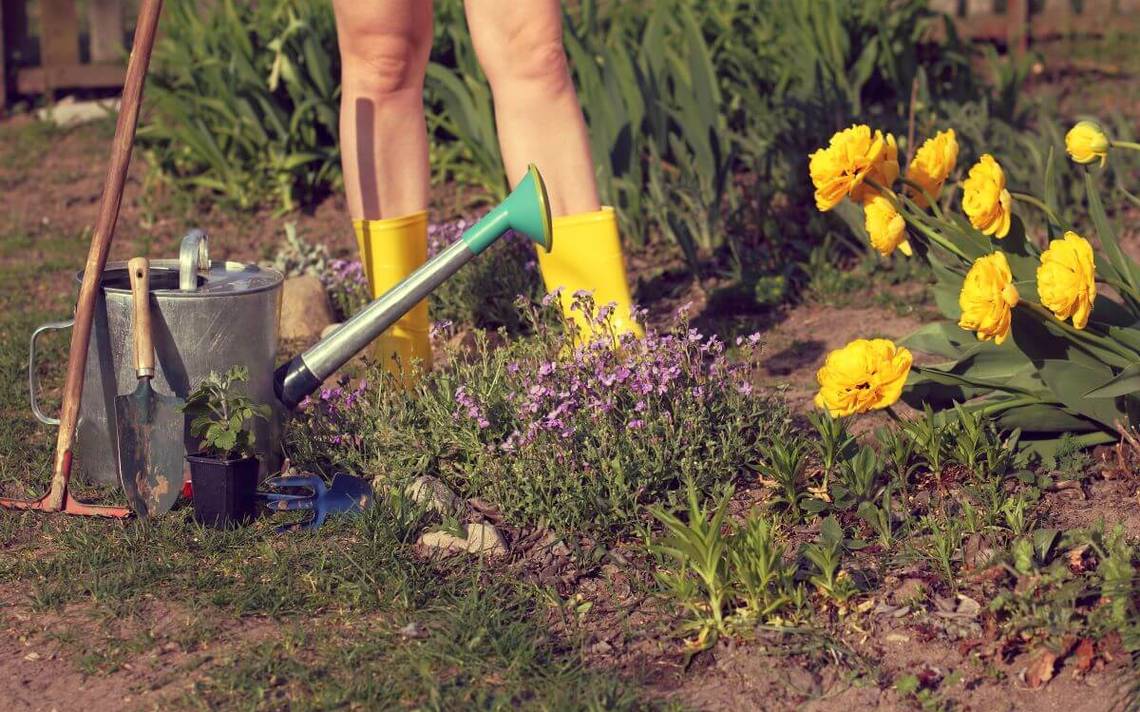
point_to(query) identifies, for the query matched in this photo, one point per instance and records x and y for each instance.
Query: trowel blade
(151, 452)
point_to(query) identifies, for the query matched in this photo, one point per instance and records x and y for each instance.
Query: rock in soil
(482, 538)
(330, 329)
(305, 309)
(910, 591)
(435, 495)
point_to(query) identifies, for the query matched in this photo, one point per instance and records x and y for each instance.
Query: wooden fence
(54, 32)
(1018, 22)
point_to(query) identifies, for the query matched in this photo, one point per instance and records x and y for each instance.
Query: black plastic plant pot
(224, 490)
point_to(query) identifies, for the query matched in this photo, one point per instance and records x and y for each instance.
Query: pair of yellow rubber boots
(586, 256)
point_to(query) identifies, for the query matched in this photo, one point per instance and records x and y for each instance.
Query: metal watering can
(209, 317)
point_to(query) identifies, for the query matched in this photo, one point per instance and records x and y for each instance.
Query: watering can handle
(193, 257)
(33, 381)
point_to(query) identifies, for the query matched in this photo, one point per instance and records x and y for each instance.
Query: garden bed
(357, 614)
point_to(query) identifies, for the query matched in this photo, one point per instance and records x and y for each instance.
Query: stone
(911, 590)
(305, 308)
(482, 538)
(435, 495)
(328, 330)
(68, 112)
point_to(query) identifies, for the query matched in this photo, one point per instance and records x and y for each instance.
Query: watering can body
(227, 315)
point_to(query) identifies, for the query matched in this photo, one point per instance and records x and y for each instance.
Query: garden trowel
(149, 425)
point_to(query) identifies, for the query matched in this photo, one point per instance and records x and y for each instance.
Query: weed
(880, 518)
(931, 439)
(945, 539)
(858, 479)
(764, 582)
(698, 547)
(834, 444)
(783, 461)
(826, 555)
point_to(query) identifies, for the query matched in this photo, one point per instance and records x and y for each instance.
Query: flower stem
(1125, 144)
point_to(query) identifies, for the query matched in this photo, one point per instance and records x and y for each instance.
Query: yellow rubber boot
(587, 256)
(390, 250)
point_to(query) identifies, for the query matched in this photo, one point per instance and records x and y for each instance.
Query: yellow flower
(852, 156)
(984, 198)
(987, 298)
(1066, 279)
(1087, 142)
(866, 374)
(932, 165)
(885, 226)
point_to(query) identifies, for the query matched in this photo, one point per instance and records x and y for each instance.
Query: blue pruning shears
(347, 494)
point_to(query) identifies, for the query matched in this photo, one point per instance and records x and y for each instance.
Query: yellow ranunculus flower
(885, 226)
(1066, 279)
(932, 165)
(852, 156)
(1087, 142)
(984, 198)
(987, 298)
(866, 374)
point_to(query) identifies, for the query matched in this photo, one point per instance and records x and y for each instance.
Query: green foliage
(859, 479)
(243, 101)
(783, 461)
(726, 578)
(219, 414)
(826, 555)
(574, 437)
(699, 546)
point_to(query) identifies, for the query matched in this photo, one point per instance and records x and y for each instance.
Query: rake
(58, 499)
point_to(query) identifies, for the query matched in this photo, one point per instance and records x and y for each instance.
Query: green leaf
(1121, 264)
(1070, 382)
(1125, 383)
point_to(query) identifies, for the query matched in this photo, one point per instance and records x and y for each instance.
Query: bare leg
(384, 46)
(538, 117)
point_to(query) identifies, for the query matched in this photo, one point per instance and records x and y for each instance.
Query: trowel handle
(139, 267)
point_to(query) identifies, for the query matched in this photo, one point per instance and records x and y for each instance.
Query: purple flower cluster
(331, 408)
(345, 272)
(605, 387)
(468, 407)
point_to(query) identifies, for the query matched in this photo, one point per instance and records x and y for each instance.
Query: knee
(524, 59)
(382, 66)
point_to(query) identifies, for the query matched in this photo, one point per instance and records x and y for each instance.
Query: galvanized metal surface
(231, 318)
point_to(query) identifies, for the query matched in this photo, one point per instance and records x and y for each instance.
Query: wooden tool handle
(145, 30)
(139, 268)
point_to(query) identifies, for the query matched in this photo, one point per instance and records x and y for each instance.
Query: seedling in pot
(224, 472)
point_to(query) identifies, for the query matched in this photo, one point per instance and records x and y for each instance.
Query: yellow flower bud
(1087, 142)
(984, 198)
(932, 165)
(1066, 279)
(885, 227)
(866, 374)
(851, 157)
(988, 298)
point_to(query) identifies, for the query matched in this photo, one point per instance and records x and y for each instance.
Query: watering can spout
(525, 210)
